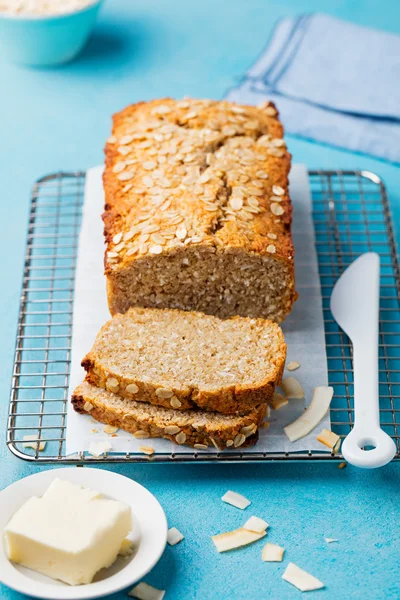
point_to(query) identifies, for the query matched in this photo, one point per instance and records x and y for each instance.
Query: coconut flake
(328, 438)
(292, 388)
(272, 553)
(312, 415)
(236, 500)
(235, 539)
(301, 579)
(98, 448)
(144, 591)
(278, 401)
(256, 524)
(174, 536)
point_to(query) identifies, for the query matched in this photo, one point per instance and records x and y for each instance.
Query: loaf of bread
(197, 214)
(192, 427)
(184, 360)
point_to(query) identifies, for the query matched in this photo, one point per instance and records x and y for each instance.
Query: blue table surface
(58, 119)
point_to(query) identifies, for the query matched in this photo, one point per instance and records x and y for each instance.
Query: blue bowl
(46, 41)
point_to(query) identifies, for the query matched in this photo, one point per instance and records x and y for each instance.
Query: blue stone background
(58, 119)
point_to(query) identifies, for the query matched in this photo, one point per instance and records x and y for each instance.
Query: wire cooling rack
(351, 216)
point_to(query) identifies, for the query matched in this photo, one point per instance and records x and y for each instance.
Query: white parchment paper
(303, 329)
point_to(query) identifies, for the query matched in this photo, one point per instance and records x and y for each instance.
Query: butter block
(70, 533)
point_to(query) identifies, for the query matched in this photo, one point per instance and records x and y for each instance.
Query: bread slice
(184, 360)
(191, 427)
(198, 213)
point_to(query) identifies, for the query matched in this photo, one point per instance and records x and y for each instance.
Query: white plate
(149, 542)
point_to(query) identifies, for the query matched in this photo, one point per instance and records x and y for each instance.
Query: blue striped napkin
(332, 81)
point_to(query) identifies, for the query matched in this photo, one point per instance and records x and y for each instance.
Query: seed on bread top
(198, 172)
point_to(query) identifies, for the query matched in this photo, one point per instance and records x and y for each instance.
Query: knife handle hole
(367, 444)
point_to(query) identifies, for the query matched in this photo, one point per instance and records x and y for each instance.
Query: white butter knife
(355, 307)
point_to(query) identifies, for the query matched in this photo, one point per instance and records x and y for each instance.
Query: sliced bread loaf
(192, 427)
(184, 360)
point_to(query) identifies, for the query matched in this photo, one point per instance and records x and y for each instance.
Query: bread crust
(226, 399)
(133, 417)
(264, 233)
